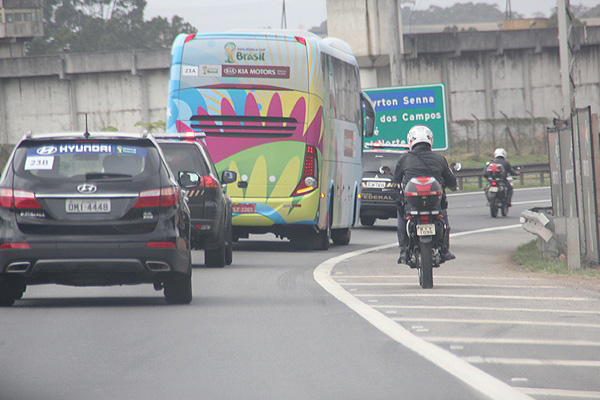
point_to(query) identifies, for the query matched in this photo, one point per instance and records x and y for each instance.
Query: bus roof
(330, 45)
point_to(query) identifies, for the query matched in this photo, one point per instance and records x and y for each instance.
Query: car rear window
(70, 160)
(184, 157)
(373, 161)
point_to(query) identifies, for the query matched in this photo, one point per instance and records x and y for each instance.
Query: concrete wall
(494, 81)
(55, 93)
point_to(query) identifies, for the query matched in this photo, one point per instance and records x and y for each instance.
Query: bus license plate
(376, 185)
(80, 206)
(493, 189)
(426, 230)
(240, 208)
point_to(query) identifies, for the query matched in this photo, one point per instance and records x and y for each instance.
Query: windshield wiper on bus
(105, 175)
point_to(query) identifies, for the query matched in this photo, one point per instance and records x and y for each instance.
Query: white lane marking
(519, 379)
(497, 228)
(569, 394)
(501, 322)
(486, 384)
(478, 296)
(452, 284)
(541, 342)
(531, 361)
(538, 310)
(514, 203)
(442, 277)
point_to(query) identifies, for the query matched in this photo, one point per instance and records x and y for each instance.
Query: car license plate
(493, 189)
(241, 208)
(426, 230)
(375, 185)
(88, 206)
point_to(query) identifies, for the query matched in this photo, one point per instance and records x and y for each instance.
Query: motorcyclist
(422, 161)
(500, 158)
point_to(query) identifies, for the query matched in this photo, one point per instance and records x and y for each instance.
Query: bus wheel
(341, 237)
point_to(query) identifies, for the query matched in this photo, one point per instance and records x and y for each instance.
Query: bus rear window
(236, 62)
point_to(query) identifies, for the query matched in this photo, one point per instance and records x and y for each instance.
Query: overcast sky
(218, 15)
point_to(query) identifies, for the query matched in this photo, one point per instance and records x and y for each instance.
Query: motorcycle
(425, 225)
(496, 190)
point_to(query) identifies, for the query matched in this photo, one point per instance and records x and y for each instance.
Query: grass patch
(529, 257)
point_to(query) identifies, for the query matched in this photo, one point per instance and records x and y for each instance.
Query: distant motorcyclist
(422, 161)
(500, 158)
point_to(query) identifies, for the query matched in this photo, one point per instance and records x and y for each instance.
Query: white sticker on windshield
(39, 162)
(189, 70)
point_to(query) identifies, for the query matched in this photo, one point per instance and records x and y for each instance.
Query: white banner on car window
(39, 162)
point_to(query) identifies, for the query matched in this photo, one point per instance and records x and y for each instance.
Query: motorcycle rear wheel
(493, 209)
(425, 265)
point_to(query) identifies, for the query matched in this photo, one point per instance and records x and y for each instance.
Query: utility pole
(397, 46)
(283, 17)
(566, 58)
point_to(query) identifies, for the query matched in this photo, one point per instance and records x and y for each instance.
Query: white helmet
(419, 134)
(500, 152)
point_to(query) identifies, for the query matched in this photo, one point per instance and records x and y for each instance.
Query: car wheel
(367, 221)
(229, 247)
(178, 289)
(215, 258)
(10, 291)
(341, 237)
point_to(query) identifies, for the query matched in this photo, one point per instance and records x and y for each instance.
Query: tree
(103, 25)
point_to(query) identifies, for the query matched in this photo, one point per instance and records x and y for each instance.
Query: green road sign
(397, 109)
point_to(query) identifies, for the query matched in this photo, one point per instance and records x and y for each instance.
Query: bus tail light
(308, 181)
(300, 40)
(190, 37)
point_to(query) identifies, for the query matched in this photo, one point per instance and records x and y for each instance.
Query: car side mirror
(456, 166)
(188, 179)
(228, 177)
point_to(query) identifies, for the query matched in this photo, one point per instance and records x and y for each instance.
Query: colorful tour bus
(285, 111)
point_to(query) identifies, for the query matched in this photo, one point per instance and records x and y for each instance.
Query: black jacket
(421, 161)
(507, 167)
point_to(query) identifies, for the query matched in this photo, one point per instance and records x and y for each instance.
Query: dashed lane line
(541, 342)
(569, 394)
(485, 384)
(532, 361)
(501, 322)
(477, 296)
(473, 308)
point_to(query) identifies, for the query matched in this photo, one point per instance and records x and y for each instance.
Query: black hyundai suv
(379, 196)
(93, 210)
(210, 207)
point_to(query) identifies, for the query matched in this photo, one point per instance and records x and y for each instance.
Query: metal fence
(574, 155)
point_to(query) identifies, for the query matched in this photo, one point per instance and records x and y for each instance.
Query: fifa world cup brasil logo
(230, 50)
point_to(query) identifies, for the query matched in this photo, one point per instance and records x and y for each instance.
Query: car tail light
(160, 245)
(161, 197)
(18, 199)
(308, 181)
(209, 182)
(14, 245)
(493, 183)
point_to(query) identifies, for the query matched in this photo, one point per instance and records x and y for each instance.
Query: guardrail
(541, 170)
